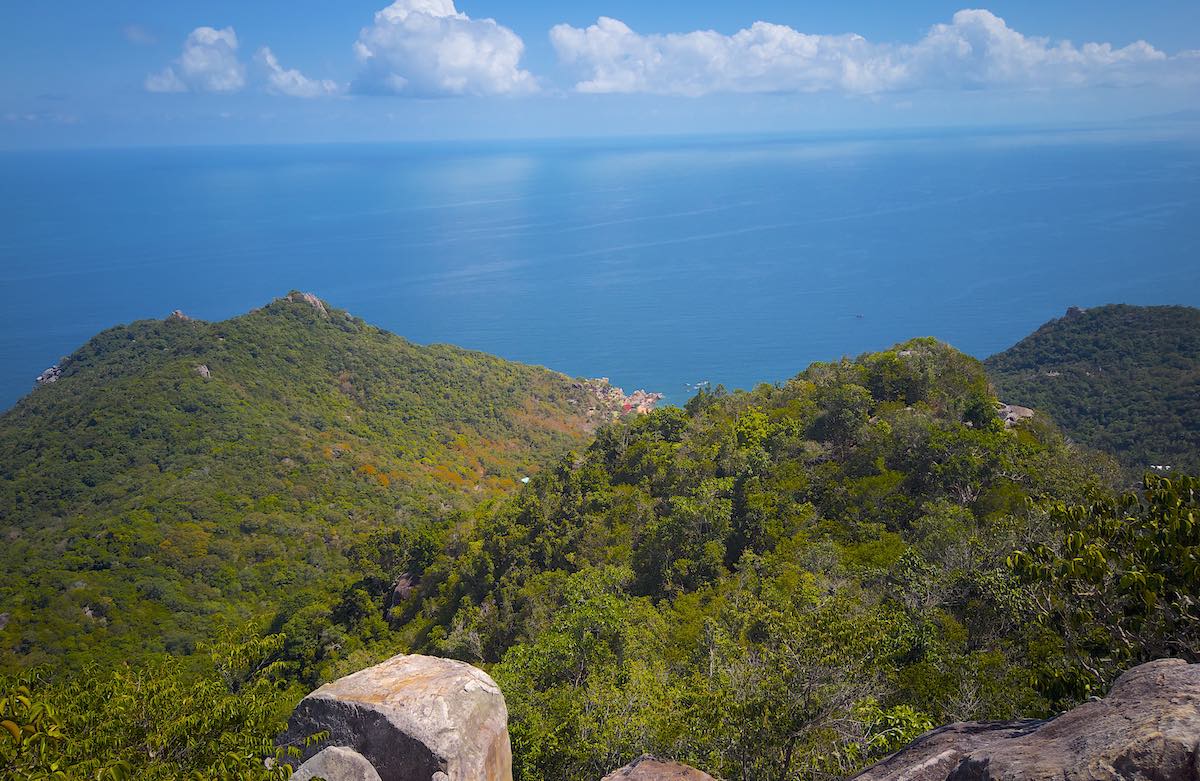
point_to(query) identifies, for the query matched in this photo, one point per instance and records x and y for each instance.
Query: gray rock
(310, 299)
(1012, 414)
(649, 768)
(413, 717)
(1146, 729)
(336, 763)
(49, 376)
(203, 371)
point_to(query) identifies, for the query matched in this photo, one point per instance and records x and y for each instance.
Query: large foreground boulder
(648, 768)
(336, 763)
(414, 718)
(1146, 729)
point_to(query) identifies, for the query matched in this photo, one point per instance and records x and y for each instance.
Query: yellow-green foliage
(154, 722)
(786, 583)
(1119, 585)
(142, 503)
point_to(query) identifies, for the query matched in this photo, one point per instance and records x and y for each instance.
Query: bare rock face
(413, 717)
(1146, 729)
(336, 764)
(1012, 414)
(53, 374)
(310, 299)
(648, 768)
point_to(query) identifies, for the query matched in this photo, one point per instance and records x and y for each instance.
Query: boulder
(337, 764)
(1146, 729)
(310, 299)
(53, 374)
(1012, 414)
(649, 768)
(402, 589)
(412, 717)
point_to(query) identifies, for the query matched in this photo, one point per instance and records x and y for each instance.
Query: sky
(117, 73)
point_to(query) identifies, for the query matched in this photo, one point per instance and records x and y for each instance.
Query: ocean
(659, 263)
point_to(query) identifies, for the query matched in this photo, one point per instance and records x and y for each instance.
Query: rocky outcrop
(402, 589)
(414, 718)
(649, 768)
(336, 764)
(1146, 729)
(50, 375)
(310, 299)
(1012, 414)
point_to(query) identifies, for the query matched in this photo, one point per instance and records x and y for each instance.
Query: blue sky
(180, 72)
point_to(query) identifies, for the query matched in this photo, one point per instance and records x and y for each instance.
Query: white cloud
(289, 81)
(209, 63)
(976, 49)
(979, 50)
(427, 47)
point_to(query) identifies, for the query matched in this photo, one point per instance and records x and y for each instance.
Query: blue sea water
(659, 263)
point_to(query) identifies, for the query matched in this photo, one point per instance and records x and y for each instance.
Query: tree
(160, 721)
(1121, 583)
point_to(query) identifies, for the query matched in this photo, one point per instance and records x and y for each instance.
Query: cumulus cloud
(289, 81)
(427, 47)
(977, 49)
(209, 63)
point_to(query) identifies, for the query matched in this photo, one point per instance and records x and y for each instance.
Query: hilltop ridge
(1118, 378)
(179, 473)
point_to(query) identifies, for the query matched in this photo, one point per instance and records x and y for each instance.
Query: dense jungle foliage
(157, 722)
(776, 584)
(183, 475)
(784, 583)
(1122, 379)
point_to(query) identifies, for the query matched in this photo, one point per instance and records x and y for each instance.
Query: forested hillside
(183, 475)
(780, 583)
(783, 583)
(1123, 379)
